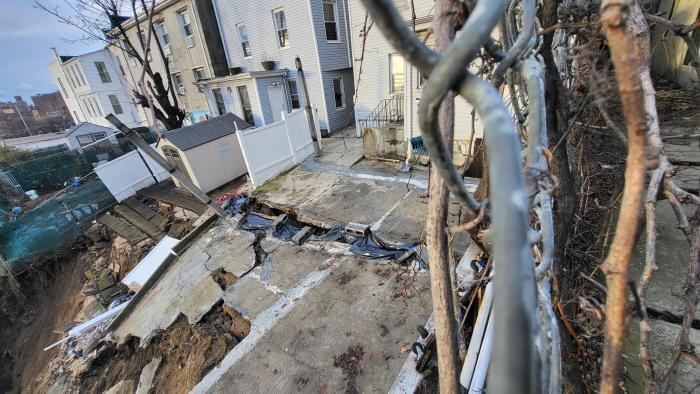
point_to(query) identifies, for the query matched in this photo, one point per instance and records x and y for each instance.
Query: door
(219, 100)
(245, 105)
(276, 96)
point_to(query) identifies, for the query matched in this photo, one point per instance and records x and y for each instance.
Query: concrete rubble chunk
(123, 387)
(279, 220)
(302, 235)
(148, 373)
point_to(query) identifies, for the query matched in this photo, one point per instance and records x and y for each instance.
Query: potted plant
(267, 63)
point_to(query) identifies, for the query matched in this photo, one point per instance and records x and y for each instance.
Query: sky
(26, 37)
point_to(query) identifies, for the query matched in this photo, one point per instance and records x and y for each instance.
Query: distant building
(188, 33)
(76, 137)
(92, 86)
(50, 104)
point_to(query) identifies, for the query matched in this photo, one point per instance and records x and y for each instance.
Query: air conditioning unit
(180, 89)
(166, 50)
(189, 42)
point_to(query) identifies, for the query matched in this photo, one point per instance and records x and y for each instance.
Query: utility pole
(307, 108)
(136, 139)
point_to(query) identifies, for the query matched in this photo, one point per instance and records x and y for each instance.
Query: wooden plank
(177, 229)
(137, 220)
(147, 213)
(123, 228)
(178, 199)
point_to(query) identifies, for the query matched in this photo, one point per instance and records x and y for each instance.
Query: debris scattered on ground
(349, 362)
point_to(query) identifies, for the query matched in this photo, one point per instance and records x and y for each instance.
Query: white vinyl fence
(127, 174)
(271, 149)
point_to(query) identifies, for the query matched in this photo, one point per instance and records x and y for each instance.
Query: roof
(87, 127)
(212, 129)
(33, 138)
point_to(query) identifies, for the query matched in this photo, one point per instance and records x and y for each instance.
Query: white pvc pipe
(482, 364)
(465, 376)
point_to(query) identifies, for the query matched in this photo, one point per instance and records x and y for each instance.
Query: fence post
(295, 160)
(241, 143)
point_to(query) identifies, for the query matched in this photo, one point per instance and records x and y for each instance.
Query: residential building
(389, 88)
(262, 40)
(50, 104)
(92, 86)
(207, 152)
(76, 137)
(671, 57)
(188, 33)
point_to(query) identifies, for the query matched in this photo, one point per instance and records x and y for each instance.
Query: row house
(93, 86)
(261, 40)
(389, 89)
(188, 33)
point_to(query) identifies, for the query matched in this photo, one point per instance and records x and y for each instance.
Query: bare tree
(105, 21)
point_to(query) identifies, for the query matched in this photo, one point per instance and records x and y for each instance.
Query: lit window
(293, 93)
(339, 92)
(179, 83)
(396, 65)
(281, 27)
(245, 42)
(330, 20)
(102, 70)
(116, 106)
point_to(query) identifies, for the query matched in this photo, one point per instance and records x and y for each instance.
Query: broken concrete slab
(287, 265)
(147, 374)
(187, 287)
(662, 339)
(665, 291)
(249, 297)
(123, 387)
(355, 308)
(294, 188)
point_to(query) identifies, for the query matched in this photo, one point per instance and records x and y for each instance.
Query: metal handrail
(388, 111)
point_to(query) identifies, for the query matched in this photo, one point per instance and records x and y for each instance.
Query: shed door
(276, 97)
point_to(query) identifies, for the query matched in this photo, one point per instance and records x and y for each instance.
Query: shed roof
(87, 127)
(212, 129)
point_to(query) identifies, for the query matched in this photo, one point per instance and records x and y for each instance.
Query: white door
(276, 96)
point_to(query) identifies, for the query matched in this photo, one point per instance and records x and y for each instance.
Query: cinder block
(302, 235)
(280, 219)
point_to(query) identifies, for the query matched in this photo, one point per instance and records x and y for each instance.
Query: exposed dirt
(188, 352)
(224, 278)
(349, 362)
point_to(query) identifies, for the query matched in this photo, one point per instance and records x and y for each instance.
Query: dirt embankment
(187, 353)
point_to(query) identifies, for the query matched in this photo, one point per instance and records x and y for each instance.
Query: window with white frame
(116, 106)
(179, 83)
(99, 136)
(74, 77)
(339, 92)
(63, 88)
(293, 93)
(396, 68)
(79, 74)
(184, 19)
(87, 107)
(163, 37)
(198, 74)
(84, 139)
(102, 70)
(70, 78)
(98, 110)
(330, 20)
(245, 42)
(281, 27)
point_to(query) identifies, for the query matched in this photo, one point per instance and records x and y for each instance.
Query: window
(77, 118)
(293, 93)
(99, 136)
(102, 70)
(116, 107)
(174, 158)
(163, 37)
(184, 20)
(281, 27)
(396, 66)
(89, 108)
(198, 74)
(179, 83)
(98, 110)
(219, 101)
(245, 104)
(84, 139)
(339, 92)
(74, 77)
(63, 88)
(121, 67)
(330, 20)
(79, 74)
(245, 43)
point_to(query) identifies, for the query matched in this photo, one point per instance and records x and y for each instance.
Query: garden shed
(207, 152)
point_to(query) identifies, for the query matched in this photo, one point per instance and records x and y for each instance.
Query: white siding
(216, 163)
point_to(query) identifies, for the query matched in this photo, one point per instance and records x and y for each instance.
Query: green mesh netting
(52, 228)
